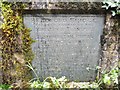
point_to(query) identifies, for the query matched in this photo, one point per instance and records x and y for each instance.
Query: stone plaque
(66, 44)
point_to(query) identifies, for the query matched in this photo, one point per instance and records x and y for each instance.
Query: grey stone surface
(66, 44)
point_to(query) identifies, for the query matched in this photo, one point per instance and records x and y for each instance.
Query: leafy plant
(15, 43)
(113, 5)
(109, 79)
(4, 87)
(30, 67)
(50, 82)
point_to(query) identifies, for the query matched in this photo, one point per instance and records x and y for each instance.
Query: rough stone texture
(66, 45)
(110, 52)
(0, 54)
(110, 46)
(107, 37)
(62, 7)
(67, 5)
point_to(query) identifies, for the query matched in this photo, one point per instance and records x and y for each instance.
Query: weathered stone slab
(66, 45)
(54, 0)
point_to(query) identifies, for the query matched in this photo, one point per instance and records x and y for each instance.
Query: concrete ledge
(65, 8)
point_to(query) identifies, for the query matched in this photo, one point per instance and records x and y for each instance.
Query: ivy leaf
(109, 3)
(113, 13)
(117, 1)
(106, 79)
(98, 67)
(104, 6)
(104, 2)
(113, 5)
(116, 81)
(107, 7)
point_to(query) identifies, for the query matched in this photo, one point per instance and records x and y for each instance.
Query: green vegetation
(112, 5)
(108, 80)
(50, 82)
(17, 54)
(4, 87)
(15, 44)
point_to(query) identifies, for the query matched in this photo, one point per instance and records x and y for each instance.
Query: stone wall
(110, 43)
(110, 38)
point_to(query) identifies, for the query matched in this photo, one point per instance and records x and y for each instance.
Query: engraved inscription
(66, 45)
